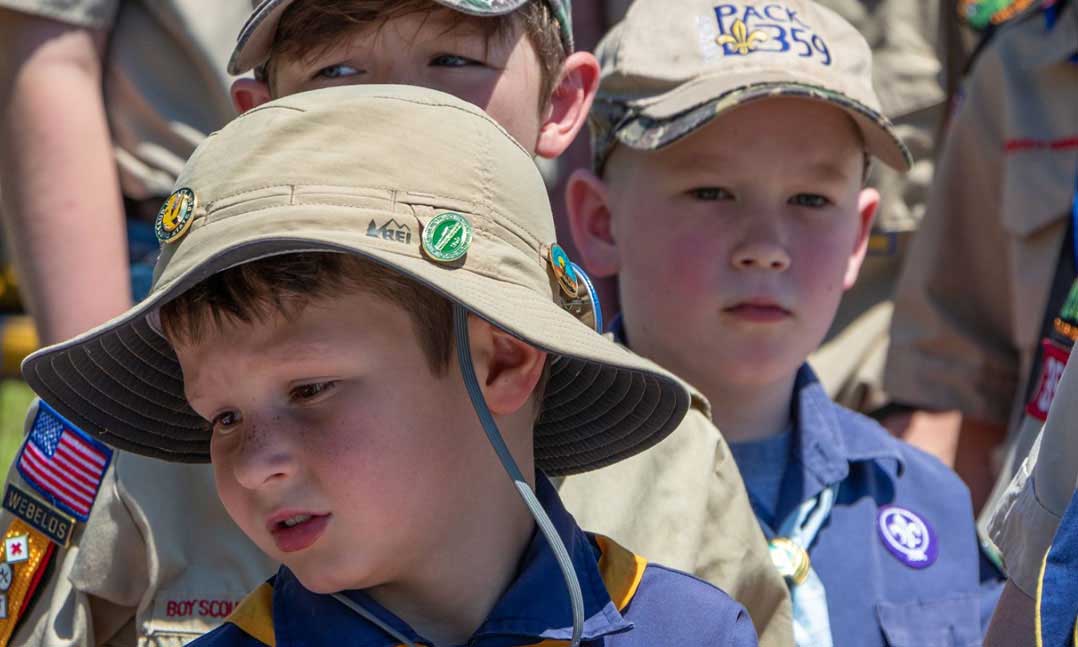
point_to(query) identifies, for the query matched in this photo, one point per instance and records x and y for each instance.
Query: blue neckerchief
(823, 448)
(535, 605)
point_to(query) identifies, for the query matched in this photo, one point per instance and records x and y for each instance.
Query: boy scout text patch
(744, 30)
(26, 555)
(39, 515)
(63, 463)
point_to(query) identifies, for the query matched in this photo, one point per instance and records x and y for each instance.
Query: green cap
(671, 66)
(256, 37)
(407, 177)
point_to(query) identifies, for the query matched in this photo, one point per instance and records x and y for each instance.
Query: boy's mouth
(758, 311)
(294, 531)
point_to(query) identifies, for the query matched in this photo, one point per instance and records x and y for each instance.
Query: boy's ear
(508, 369)
(587, 199)
(867, 203)
(570, 102)
(249, 93)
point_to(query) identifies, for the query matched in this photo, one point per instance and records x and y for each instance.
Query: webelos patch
(63, 463)
(744, 30)
(907, 536)
(40, 516)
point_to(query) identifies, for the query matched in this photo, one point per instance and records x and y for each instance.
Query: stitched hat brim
(123, 383)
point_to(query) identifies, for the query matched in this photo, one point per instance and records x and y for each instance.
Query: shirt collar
(824, 446)
(535, 606)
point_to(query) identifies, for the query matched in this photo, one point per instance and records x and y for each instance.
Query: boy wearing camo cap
(298, 45)
(350, 389)
(731, 142)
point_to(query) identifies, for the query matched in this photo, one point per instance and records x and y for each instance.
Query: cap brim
(256, 37)
(123, 383)
(660, 121)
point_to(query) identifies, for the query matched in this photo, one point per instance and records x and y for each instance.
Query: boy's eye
(809, 200)
(337, 71)
(452, 60)
(711, 194)
(310, 391)
(226, 422)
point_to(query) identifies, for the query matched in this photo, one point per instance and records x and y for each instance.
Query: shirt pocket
(947, 622)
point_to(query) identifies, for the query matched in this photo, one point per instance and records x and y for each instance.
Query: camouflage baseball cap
(256, 37)
(671, 66)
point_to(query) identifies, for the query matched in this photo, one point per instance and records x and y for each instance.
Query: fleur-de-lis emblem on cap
(741, 39)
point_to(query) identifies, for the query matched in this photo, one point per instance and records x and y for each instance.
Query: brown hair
(286, 284)
(309, 27)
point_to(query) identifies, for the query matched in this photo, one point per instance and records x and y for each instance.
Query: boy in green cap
(731, 143)
(350, 387)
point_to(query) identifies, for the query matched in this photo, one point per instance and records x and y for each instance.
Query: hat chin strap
(576, 598)
(464, 356)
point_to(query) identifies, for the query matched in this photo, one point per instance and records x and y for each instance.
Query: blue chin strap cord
(464, 356)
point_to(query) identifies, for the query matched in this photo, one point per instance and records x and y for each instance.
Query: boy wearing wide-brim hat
(348, 427)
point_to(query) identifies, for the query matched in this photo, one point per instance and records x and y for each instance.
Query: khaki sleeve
(951, 335)
(683, 504)
(68, 613)
(1024, 522)
(92, 14)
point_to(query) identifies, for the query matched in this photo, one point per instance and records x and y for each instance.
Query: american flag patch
(63, 463)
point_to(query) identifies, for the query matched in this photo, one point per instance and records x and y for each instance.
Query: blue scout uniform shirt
(627, 603)
(888, 583)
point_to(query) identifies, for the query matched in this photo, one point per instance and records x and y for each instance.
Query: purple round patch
(907, 536)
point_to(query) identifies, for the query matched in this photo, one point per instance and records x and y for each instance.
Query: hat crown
(342, 147)
(662, 45)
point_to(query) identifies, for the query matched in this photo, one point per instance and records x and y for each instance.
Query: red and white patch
(1054, 360)
(17, 549)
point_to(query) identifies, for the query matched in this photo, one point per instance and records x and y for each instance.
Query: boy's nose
(265, 457)
(762, 256)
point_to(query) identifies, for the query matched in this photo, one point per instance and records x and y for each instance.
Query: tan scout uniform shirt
(158, 563)
(906, 73)
(972, 297)
(159, 559)
(683, 504)
(1029, 512)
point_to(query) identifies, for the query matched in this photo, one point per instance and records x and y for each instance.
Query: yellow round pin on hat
(175, 216)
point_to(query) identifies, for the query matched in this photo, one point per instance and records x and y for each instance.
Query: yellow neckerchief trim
(1037, 602)
(254, 615)
(621, 570)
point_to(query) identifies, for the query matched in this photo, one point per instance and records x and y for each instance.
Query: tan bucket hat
(366, 170)
(256, 37)
(671, 66)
